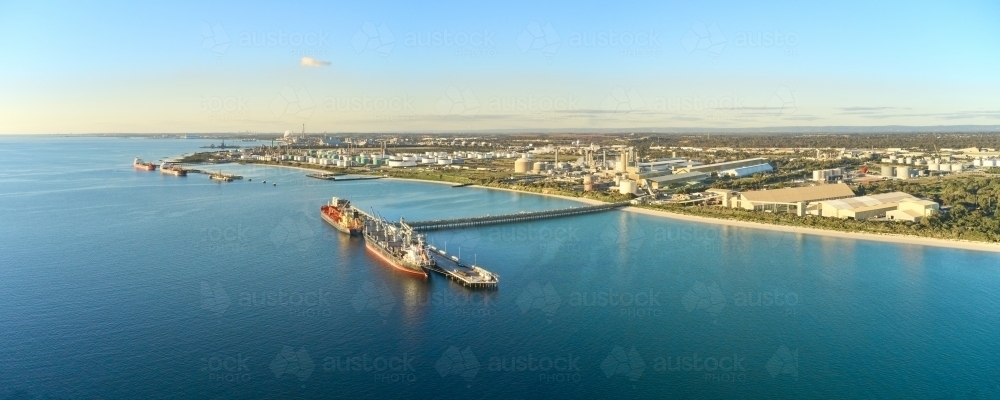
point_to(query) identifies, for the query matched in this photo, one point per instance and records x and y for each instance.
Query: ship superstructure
(398, 245)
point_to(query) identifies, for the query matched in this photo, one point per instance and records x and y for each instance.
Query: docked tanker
(342, 216)
(398, 245)
(145, 166)
(175, 170)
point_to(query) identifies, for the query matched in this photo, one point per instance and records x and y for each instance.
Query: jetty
(216, 175)
(328, 177)
(510, 218)
(468, 275)
(336, 177)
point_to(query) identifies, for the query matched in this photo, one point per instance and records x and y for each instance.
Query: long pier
(211, 173)
(336, 177)
(509, 218)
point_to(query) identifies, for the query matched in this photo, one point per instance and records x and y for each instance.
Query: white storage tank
(627, 186)
(887, 171)
(538, 167)
(402, 163)
(957, 167)
(522, 165)
(934, 166)
(903, 172)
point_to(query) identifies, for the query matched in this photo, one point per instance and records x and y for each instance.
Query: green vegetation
(203, 157)
(610, 197)
(973, 201)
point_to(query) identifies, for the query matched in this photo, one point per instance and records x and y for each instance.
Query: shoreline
(886, 238)
(558, 196)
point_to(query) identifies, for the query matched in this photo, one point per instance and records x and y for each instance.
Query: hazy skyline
(189, 67)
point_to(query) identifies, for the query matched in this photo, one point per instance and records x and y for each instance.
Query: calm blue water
(117, 283)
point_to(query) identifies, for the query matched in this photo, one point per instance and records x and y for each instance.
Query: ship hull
(145, 167)
(174, 172)
(393, 260)
(339, 227)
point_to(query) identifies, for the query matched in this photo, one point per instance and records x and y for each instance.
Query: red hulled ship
(342, 216)
(145, 166)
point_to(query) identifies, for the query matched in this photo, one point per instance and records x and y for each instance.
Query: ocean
(118, 283)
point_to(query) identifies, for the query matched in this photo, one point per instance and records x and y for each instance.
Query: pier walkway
(509, 218)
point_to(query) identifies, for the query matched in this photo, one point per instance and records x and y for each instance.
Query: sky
(189, 67)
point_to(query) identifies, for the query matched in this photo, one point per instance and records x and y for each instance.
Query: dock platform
(467, 275)
(336, 177)
(210, 174)
(328, 177)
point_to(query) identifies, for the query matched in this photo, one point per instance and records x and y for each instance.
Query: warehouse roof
(728, 165)
(685, 177)
(797, 194)
(868, 201)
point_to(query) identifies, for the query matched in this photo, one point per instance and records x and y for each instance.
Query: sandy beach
(579, 199)
(899, 239)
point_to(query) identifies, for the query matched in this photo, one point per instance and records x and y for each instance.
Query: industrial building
(746, 171)
(828, 175)
(663, 181)
(665, 164)
(738, 168)
(913, 210)
(861, 207)
(788, 199)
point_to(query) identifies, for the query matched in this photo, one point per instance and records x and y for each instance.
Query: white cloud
(312, 62)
